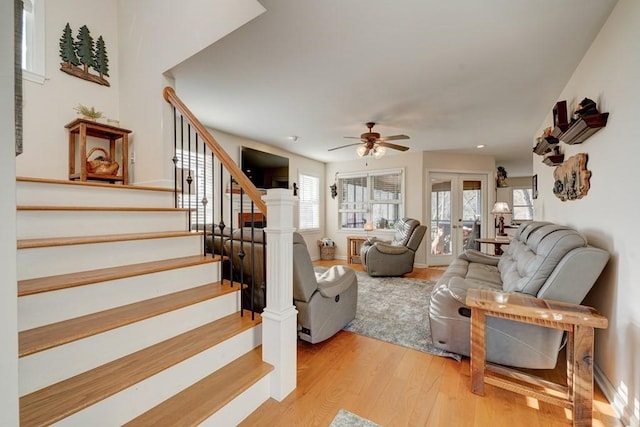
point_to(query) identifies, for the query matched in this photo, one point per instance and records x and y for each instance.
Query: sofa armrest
(336, 280)
(473, 255)
(390, 249)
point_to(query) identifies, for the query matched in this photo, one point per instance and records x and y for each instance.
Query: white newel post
(279, 318)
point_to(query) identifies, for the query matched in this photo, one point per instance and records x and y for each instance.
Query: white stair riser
(141, 397)
(242, 406)
(45, 224)
(50, 307)
(38, 194)
(51, 261)
(56, 364)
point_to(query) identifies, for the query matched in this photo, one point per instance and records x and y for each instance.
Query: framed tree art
(82, 55)
(572, 178)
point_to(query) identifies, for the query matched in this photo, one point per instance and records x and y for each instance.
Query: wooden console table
(83, 128)
(353, 248)
(497, 243)
(577, 320)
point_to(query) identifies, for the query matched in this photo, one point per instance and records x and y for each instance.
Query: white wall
(414, 188)
(48, 107)
(297, 164)
(417, 202)
(133, 32)
(8, 288)
(608, 74)
(157, 35)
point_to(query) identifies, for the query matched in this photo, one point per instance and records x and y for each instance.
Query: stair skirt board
(42, 224)
(54, 306)
(65, 194)
(54, 260)
(137, 399)
(50, 366)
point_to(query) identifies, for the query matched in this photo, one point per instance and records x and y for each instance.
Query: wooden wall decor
(572, 178)
(79, 56)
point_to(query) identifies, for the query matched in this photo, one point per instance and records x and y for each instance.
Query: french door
(458, 212)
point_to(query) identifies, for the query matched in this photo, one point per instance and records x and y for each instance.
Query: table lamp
(499, 209)
(368, 226)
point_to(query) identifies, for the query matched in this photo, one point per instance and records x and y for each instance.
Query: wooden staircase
(122, 319)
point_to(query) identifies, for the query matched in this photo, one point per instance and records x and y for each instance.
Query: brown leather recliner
(393, 258)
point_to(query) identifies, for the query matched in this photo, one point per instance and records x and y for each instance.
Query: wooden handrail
(231, 166)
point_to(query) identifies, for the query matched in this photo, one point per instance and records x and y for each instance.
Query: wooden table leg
(478, 350)
(582, 375)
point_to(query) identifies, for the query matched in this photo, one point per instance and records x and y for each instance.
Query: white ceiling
(451, 74)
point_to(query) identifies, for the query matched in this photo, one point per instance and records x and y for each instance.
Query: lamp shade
(368, 226)
(361, 150)
(501, 208)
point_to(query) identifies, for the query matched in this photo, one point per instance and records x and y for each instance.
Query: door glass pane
(471, 213)
(440, 217)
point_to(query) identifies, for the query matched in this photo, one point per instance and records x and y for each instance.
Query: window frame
(514, 206)
(315, 204)
(370, 200)
(33, 46)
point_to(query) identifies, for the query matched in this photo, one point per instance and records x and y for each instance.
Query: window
(522, 204)
(309, 206)
(201, 187)
(375, 197)
(33, 40)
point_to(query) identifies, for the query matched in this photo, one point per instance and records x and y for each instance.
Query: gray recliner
(393, 258)
(326, 301)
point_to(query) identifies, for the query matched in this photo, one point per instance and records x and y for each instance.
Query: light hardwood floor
(397, 386)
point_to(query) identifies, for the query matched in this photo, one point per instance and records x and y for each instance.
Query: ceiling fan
(374, 143)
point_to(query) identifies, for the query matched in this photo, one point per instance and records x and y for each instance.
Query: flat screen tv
(265, 170)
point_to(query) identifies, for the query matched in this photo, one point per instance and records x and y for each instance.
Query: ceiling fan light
(361, 150)
(379, 152)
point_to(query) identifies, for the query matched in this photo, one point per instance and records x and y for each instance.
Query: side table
(497, 243)
(353, 248)
(577, 320)
(82, 128)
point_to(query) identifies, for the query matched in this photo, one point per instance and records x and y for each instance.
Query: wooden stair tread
(198, 402)
(52, 335)
(70, 280)
(92, 184)
(99, 208)
(53, 403)
(82, 240)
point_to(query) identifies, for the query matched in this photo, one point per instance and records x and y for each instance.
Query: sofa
(248, 268)
(543, 260)
(396, 257)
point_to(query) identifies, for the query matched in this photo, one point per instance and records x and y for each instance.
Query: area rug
(347, 419)
(395, 310)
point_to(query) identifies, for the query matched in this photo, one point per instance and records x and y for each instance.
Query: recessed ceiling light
(480, 146)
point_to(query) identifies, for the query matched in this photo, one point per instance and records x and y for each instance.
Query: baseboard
(621, 408)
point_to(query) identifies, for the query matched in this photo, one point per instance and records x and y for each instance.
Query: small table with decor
(353, 248)
(497, 242)
(577, 320)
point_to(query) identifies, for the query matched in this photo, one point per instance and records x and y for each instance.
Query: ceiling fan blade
(353, 137)
(393, 146)
(345, 146)
(393, 137)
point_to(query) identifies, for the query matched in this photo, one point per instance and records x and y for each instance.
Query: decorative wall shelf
(583, 128)
(553, 160)
(545, 145)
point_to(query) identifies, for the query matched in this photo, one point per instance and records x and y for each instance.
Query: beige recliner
(326, 301)
(393, 258)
